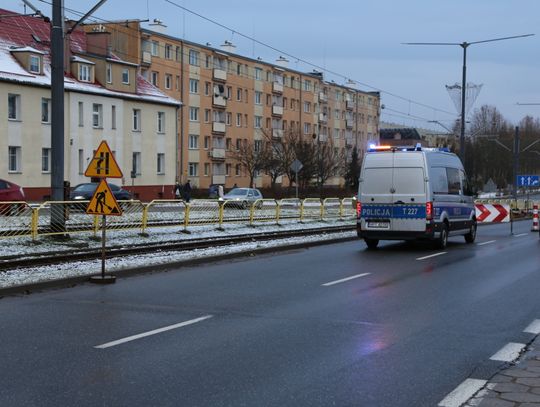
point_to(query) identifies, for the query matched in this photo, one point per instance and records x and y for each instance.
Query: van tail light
(429, 210)
(358, 209)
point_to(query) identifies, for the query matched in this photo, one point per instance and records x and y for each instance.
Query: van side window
(439, 180)
(467, 189)
(454, 182)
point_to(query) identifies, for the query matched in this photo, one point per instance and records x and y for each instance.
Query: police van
(410, 193)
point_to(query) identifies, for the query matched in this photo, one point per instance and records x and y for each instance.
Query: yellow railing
(19, 219)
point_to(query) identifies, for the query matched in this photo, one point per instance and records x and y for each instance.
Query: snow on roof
(27, 32)
(75, 58)
(26, 49)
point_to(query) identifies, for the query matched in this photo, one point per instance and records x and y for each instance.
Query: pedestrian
(176, 190)
(187, 191)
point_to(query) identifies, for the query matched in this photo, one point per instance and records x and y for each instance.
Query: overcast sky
(362, 40)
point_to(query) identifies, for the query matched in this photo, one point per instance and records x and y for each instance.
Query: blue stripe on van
(393, 211)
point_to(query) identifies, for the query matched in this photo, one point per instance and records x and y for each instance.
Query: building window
(193, 169)
(168, 81)
(177, 85)
(228, 118)
(227, 169)
(97, 116)
(161, 163)
(193, 114)
(81, 114)
(45, 160)
(307, 86)
(45, 110)
(206, 169)
(113, 117)
(109, 73)
(161, 122)
(155, 78)
(136, 120)
(238, 144)
(14, 106)
(207, 115)
(307, 107)
(239, 94)
(207, 88)
(206, 142)
(258, 98)
(168, 51)
(238, 119)
(84, 73)
(193, 57)
(258, 122)
(237, 170)
(154, 50)
(245, 120)
(307, 128)
(258, 74)
(14, 159)
(257, 145)
(35, 64)
(125, 76)
(193, 142)
(193, 86)
(81, 162)
(136, 163)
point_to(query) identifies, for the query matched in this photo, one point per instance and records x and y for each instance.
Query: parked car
(84, 192)
(10, 191)
(243, 197)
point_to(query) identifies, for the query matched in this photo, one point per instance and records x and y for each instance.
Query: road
(333, 325)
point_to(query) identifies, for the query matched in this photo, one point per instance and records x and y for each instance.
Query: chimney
(228, 46)
(158, 26)
(282, 61)
(98, 42)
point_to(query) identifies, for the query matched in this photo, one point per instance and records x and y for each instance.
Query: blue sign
(528, 180)
(393, 211)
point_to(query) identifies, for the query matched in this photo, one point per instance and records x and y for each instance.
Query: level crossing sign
(103, 164)
(528, 180)
(103, 202)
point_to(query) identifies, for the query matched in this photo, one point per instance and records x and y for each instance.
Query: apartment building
(106, 98)
(228, 98)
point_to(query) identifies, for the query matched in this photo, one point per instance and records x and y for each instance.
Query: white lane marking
(521, 234)
(462, 393)
(488, 242)
(431, 255)
(508, 352)
(153, 332)
(533, 328)
(345, 279)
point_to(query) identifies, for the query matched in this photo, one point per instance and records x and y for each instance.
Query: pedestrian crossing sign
(103, 202)
(103, 164)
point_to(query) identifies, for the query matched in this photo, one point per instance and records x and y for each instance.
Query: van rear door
(409, 199)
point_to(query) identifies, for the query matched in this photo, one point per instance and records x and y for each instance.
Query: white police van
(409, 193)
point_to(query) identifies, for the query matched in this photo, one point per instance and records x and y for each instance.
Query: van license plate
(379, 225)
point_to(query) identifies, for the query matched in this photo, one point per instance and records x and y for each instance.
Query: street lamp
(464, 45)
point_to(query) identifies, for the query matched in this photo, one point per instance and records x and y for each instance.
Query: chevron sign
(492, 213)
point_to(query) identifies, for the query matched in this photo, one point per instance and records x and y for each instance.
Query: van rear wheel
(442, 241)
(371, 243)
(471, 236)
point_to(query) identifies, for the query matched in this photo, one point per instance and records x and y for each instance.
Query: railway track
(74, 255)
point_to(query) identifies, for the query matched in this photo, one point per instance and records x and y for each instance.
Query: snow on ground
(23, 246)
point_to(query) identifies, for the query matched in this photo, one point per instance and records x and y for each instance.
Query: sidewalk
(517, 386)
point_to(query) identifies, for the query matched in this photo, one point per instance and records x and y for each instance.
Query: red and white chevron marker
(535, 227)
(492, 213)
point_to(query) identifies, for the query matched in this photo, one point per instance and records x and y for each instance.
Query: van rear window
(377, 181)
(409, 180)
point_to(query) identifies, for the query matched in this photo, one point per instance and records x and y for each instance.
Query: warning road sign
(103, 164)
(103, 202)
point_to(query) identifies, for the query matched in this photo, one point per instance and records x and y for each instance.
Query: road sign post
(103, 202)
(296, 166)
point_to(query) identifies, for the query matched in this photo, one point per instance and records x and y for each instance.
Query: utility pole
(516, 160)
(57, 117)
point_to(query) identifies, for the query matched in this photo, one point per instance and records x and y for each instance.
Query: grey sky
(362, 40)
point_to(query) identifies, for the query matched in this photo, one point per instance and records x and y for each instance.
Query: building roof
(32, 34)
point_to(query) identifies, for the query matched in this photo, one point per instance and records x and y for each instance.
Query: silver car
(243, 197)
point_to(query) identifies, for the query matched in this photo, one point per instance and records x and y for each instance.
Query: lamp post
(465, 45)
(317, 136)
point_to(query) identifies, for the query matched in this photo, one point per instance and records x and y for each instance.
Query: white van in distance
(409, 193)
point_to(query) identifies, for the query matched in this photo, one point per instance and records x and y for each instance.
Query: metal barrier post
(144, 222)
(220, 220)
(302, 211)
(34, 224)
(186, 217)
(278, 210)
(341, 209)
(322, 209)
(252, 213)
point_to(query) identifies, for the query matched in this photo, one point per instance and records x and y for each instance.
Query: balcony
(323, 97)
(350, 105)
(219, 101)
(323, 118)
(218, 179)
(146, 58)
(277, 87)
(277, 110)
(217, 153)
(277, 133)
(218, 127)
(349, 123)
(220, 74)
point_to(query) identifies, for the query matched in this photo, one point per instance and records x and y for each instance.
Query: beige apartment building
(228, 98)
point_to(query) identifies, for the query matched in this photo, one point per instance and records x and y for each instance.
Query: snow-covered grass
(23, 247)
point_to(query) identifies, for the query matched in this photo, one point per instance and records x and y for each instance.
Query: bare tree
(251, 154)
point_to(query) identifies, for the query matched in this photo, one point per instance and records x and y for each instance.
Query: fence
(19, 219)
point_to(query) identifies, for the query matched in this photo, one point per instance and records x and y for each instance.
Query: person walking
(187, 191)
(176, 190)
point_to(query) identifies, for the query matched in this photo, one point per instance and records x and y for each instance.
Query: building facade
(228, 98)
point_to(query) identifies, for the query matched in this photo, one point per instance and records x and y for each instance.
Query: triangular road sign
(103, 202)
(103, 164)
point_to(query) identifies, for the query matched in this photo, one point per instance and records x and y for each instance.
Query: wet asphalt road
(403, 329)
